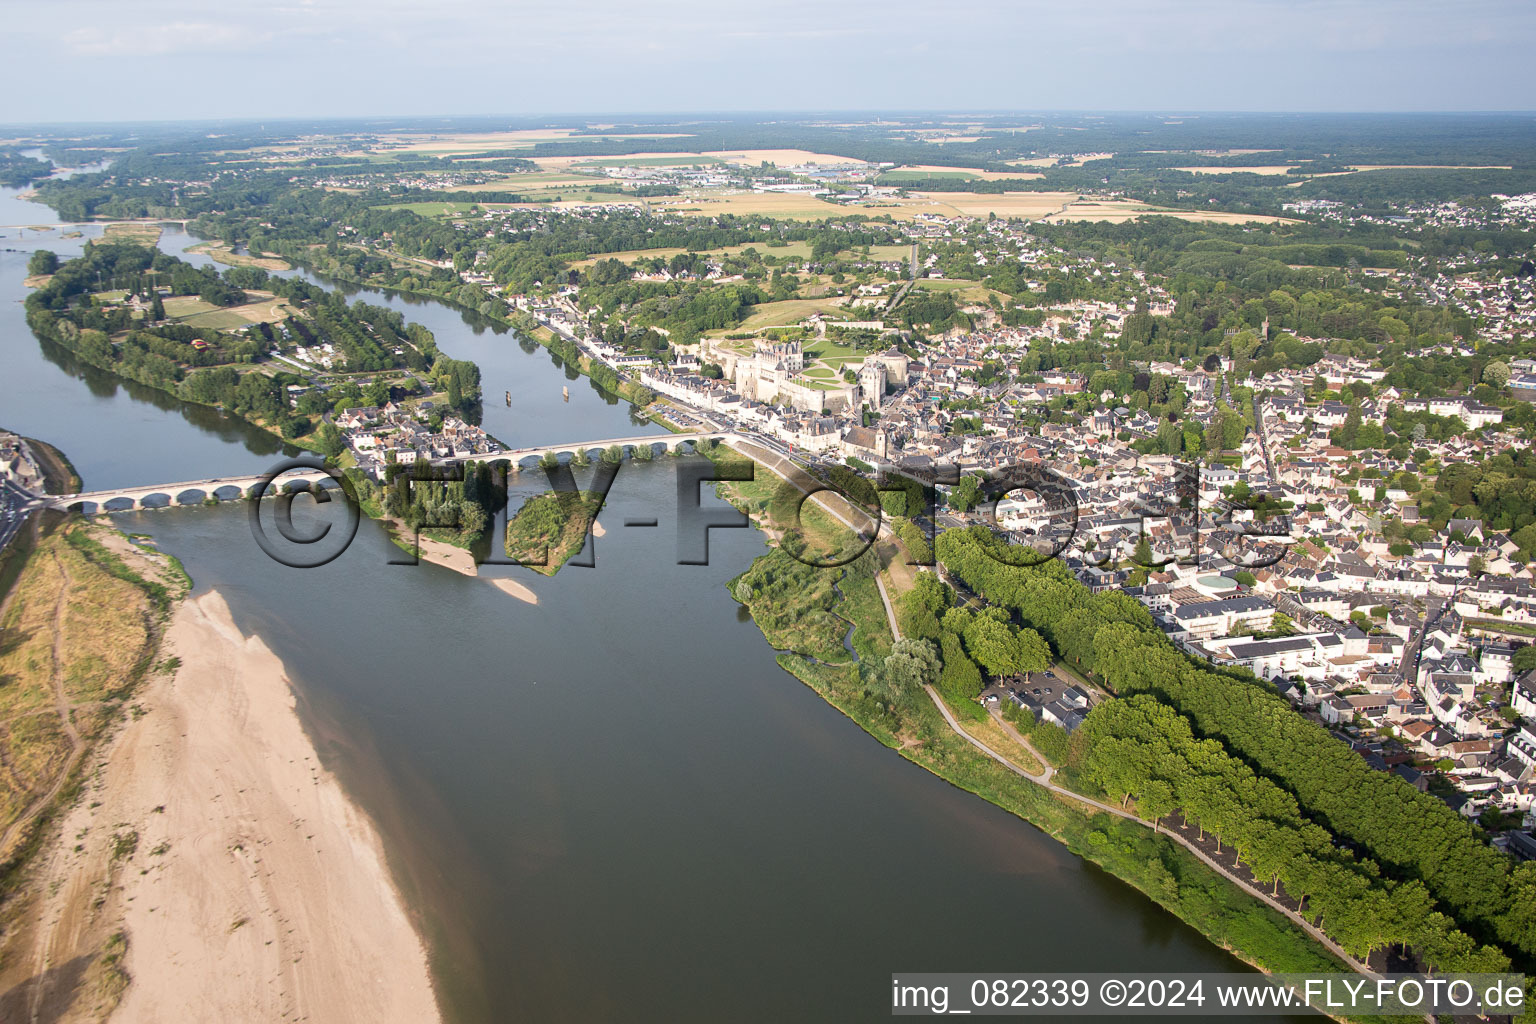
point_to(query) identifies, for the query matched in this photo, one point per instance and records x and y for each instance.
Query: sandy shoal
(516, 589)
(462, 561)
(271, 899)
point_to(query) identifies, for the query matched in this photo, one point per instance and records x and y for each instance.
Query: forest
(1378, 861)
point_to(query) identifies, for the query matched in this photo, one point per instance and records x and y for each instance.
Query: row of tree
(1410, 835)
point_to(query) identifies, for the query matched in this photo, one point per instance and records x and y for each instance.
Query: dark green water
(615, 805)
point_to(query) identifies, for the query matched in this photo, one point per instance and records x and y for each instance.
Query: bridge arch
(228, 492)
(191, 496)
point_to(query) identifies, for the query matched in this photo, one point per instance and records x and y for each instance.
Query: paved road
(15, 509)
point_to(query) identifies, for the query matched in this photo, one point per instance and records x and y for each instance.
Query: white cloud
(163, 39)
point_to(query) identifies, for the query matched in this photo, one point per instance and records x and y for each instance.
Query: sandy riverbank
(461, 561)
(263, 892)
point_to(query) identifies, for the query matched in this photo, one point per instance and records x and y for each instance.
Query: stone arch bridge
(219, 489)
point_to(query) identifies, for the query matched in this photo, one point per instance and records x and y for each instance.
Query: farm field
(524, 138)
(653, 158)
(788, 205)
(799, 250)
(781, 157)
(521, 181)
(919, 171)
(679, 160)
(433, 209)
(976, 204)
(1117, 212)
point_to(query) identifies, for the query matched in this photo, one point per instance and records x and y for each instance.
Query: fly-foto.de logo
(1032, 509)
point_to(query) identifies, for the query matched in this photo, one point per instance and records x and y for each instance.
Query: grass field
(786, 313)
(830, 353)
(781, 157)
(523, 182)
(1117, 212)
(977, 204)
(143, 234)
(194, 312)
(653, 158)
(450, 143)
(79, 628)
(178, 306)
(906, 174)
(431, 209)
(966, 292)
(678, 160)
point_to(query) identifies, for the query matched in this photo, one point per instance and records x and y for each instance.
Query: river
(612, 804)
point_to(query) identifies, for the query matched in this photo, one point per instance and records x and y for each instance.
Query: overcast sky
(154, 59)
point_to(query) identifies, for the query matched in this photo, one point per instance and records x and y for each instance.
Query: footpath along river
(612, 804)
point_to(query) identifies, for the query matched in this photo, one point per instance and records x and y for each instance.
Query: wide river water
(613, 804)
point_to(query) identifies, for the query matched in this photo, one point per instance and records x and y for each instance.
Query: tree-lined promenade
(1370, 867)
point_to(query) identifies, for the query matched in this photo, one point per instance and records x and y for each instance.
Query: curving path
(1045, 780)
(62, 707)
(1047, 772)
